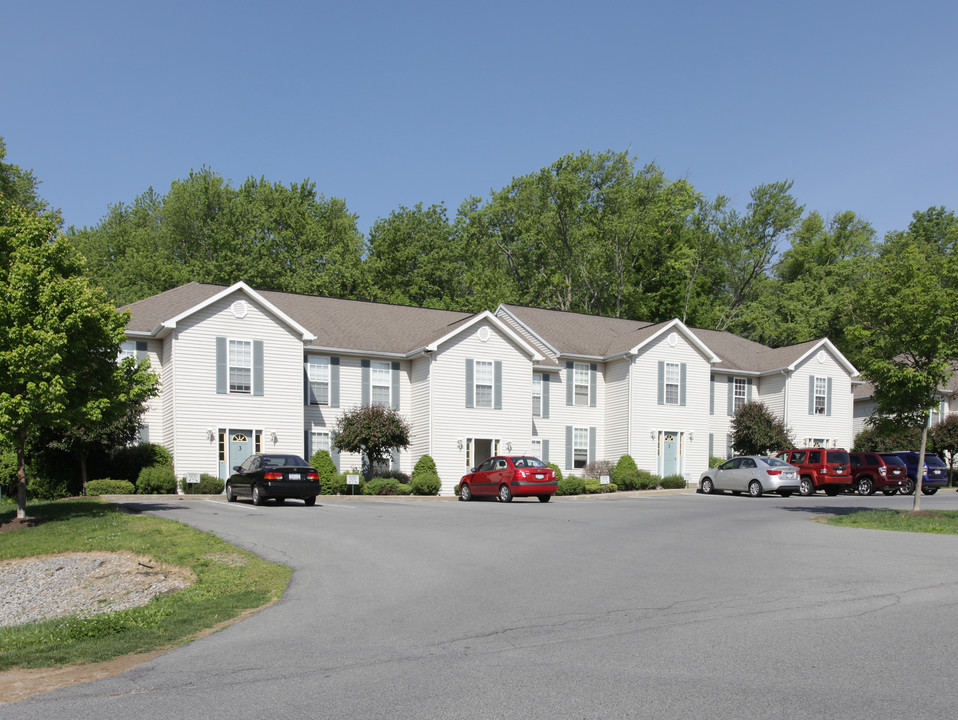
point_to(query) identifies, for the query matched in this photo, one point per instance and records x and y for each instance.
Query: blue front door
(670, 454)
(241, 447)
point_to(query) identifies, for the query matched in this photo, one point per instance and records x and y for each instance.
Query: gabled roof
(328, 323)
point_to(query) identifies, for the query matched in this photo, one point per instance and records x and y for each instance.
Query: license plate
(790, 475)
(294, 476)
(540, 476)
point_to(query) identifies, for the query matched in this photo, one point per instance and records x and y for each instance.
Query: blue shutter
(748, 396)
(570, 383)
(683, 371)
(661, 382)
(568, 447)
(712, 396)
(731, 396)
(470, 384)
(395, 391)
(308, 445)
(221, 365)
(257, 367)
(828, 398)
(711, 445)
(811, 395)
(141, 353)
(545, 452)
(334, 382)
(545, 396)
(591, 444)
(308, 397)
(364, 364)
(497, 385)
(593, 383)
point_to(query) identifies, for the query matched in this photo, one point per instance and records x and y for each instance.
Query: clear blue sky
(389, 104)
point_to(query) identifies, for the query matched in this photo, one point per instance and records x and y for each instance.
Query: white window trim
(384, 368)
(319, 366)
(536, 393)
(739, 393)
(581, 371)
(484, 370)
(580, 434)
(230, 366)
(821, 394)
(677, 368)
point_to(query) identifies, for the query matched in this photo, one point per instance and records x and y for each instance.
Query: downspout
(628, 440)
(785, 401)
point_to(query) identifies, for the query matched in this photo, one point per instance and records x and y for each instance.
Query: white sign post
(603, 479)
(352, 481)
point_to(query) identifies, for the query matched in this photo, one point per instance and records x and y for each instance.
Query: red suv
(829, 470)
(878, 472)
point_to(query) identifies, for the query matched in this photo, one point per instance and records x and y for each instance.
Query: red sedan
(506, 476)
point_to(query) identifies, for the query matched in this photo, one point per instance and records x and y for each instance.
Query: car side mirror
(236, 468)
(472, 470)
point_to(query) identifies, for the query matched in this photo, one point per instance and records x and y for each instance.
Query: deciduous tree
(756, 431)
(372, 431)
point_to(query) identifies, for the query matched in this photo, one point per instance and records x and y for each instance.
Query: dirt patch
(18, 523)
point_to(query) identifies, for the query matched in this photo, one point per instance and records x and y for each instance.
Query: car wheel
(257, 495)
(505, 493)
(230, 495)
(707, 486)
(755, 488)
(806, 487)
(310, 501)
(786, 493)
(925, 490)
(465, 494)
(865, 486)
(545, 498)
(889, 491)
(908, 488)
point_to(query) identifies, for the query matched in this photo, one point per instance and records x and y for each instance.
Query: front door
(670, 454)
(241, 447)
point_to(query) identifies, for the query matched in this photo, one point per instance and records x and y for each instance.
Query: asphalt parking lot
(670, 606)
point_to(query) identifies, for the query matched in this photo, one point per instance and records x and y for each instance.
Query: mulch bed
(17, 523)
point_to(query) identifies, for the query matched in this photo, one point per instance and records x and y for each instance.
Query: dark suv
(874, 471)
(935, 473)
(818, 468)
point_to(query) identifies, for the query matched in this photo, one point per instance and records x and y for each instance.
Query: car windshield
(528, 462)
(837, 456)
(775, 462)
(274, 461)
(934, 461)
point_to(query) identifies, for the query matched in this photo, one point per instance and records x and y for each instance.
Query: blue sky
(390, 104)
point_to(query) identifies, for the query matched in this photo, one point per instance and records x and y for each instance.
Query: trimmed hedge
(323, 462)
(425, 484)
(385, 486)
(647, 480)
(424, 466)
(673, 482)
(595, 487)
(156, 480)
(558, 471)
(208, 485)
(107, 486)
(571, 485)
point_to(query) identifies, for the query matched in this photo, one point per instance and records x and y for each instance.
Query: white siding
(419, 413)
(453, 421)
(836, 428)
(616, 421)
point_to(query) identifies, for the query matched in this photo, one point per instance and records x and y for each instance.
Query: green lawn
(229, 581)
(943, 522)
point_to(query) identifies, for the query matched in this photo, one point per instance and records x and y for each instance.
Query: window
(536, 395)
(580, 447)
(484, 380)
(537, 448)
(672, 379)
(380, 382)
(581, 381)
(821, 395)
(127, 350)
(320, 441)
(240, 365)
(319, 380)
(739, 394)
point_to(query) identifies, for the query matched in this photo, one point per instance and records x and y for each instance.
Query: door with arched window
(670, 453)
(241, 447)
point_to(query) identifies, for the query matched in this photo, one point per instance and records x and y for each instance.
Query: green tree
(272, 236)
(373, 431)
(944, 435)
(756, 431)
(18, 186)
(59, 337)
(907, 324)
(886, 438)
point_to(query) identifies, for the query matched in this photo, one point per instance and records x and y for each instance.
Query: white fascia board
(689, 335)
(825, 344)
(528, 329)
(319, 350)
(739, 373)
(501, 326)
(306, 335)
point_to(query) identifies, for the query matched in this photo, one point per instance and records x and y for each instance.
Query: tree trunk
(82, 457)
(21, 482)
(920, 470)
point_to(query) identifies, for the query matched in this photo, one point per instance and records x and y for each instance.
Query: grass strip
(229, 581)
(942, 522)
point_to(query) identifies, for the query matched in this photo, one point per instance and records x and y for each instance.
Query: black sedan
(263, 476)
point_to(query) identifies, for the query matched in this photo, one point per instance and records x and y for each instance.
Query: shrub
(595, 487)
(106, 486)
(623, 473)
(323, 462)
(335, 485)
(396, 475)
(558, 471)
(209, 485)
(8, 473)
(425, 484)
(126, 463)
(673, 482)
(156, 480)
(571, 485)
(385, 486)
(597, 468)
(43, 487)
(647, 480)
(714, 462)
(424, 466)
